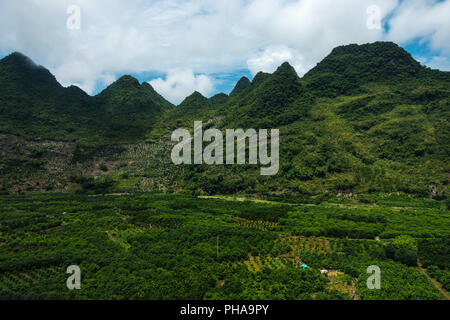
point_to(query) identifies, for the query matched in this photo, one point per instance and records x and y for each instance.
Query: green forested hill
(35, 106)
(368, 118)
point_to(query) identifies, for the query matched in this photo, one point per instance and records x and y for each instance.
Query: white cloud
(428, 21)
(439, 62)
(180, 83)
(424, 19)
(204, 36)
(272, 57)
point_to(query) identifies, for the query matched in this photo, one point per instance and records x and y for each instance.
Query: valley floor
(175, 246)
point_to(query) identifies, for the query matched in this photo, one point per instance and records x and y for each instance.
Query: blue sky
(181, 46)
(223, 82)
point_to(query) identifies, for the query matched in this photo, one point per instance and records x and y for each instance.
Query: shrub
(403, 249)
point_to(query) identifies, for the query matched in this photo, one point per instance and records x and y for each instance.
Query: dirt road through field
(436, 284)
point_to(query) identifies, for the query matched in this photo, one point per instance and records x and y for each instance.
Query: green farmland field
(174, 246)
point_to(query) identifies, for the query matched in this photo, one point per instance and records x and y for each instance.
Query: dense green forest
(161, 246)
(34, 105)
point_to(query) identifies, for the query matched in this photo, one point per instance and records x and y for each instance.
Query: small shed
(304, 266)
(323, 271)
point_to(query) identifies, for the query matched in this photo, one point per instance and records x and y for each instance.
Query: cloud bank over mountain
(188, 41)
(179, 83)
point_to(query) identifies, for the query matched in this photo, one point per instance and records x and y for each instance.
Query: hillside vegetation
(368, 118)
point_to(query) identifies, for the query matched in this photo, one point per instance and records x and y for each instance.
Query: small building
(304, 266)
(324, 271)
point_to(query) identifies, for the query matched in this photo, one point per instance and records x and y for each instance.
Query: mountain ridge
(399, 55)
(360, 121)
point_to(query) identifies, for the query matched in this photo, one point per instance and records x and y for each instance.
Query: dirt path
(354, 286)
(436, 284)
(241, 199)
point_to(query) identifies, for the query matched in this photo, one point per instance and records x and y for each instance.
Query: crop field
(176, 246)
